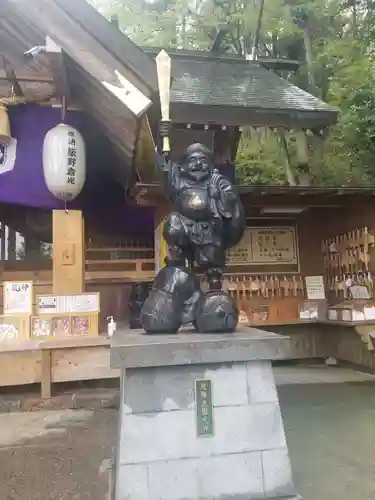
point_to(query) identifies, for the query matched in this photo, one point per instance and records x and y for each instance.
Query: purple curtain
(102, 199)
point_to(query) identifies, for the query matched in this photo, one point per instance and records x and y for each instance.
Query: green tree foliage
(351, 147)
(260, 160)
(333, 39)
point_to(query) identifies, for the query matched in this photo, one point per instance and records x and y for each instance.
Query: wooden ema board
(68, 252)
(348, 256)
(64, 325)
(266, 300)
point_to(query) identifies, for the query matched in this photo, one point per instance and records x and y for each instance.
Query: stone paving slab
(330, 430)
(318, 374)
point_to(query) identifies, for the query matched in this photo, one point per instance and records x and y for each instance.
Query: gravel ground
(55, 455)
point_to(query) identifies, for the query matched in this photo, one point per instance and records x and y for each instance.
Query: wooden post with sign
(68, 252)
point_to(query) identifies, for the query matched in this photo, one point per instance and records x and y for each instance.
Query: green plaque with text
(203, 398)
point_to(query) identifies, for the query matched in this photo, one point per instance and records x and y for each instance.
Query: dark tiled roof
(229, 82)
(277, 193)
(230, 90)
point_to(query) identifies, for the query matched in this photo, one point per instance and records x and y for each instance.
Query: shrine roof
(85, 71)
(277, 196)
(307, 190)
(230, 90)
(280, 189)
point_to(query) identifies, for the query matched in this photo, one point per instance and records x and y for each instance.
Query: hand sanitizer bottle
(111, 328)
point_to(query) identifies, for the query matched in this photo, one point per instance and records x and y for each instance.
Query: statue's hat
(197, 148)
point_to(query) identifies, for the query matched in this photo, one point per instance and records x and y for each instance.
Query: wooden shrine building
(60, 60)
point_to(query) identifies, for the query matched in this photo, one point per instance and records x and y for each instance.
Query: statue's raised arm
(168, 169)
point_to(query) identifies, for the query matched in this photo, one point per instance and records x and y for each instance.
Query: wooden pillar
(68, 252)
(3, 241)
(11, 244)
(160, 244)
(46, 374)
(32, 248)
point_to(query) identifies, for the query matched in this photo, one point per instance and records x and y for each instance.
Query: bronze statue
(206, 220)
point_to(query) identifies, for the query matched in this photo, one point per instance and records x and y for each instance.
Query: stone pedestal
(200, 417)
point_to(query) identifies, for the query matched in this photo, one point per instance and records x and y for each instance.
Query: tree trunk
(288, 167)
(255, 47)
(354, 19)
(309, 58)
(181, 35)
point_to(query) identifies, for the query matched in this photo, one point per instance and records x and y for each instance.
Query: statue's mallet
(163, 67)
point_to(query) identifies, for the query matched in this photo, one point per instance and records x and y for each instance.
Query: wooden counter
(49, 361)
(368, 322)
(46, 362)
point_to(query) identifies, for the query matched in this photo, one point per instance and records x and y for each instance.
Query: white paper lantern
(64, 162)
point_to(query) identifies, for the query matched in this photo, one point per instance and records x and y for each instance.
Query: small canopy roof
(278, 196)
(208, 88)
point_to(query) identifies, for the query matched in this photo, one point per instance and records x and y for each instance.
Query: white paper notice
(346, 315)
(84, 303)
(358, 316)
(18, 297)
(80, 303)
(369, 312)
(359, 292)
(47, 305)
(332, 314)
(315, 288)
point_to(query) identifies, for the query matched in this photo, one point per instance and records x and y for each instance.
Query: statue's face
(197, 166)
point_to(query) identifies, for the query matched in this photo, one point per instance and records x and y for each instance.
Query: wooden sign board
(64, 325)
(68, 252)
(204, 408)
(274, 245)
(18, 297)
(14, 327)
(73, 303)
(266, 246)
